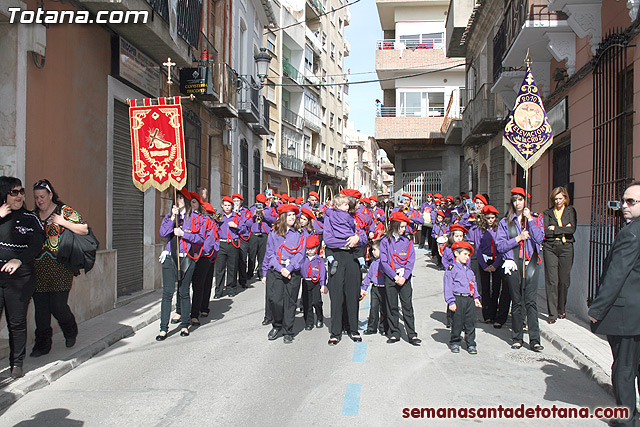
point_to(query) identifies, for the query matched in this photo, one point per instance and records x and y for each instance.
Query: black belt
(461, 295)
(258, 234)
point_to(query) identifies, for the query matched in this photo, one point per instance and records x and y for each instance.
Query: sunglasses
(42, 184)
(15, 192)
(630, 202)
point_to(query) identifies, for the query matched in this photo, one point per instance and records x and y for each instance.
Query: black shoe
(273, 334)
(288, 339)
(308, 328)
(40, 351)
(392, 340)
(204, 314)
(70, 341)
(266, 321)
(319, 323)
(363, 268)
(175, 321)
(497, 325)
(334, 340)
(334, 267)
(17, 372)
(184, 333)
(448, 323)
(415, 341)
(368, 332)
(161, 337)
(537, 347)
(355, 337)
(455, 348)
(232, 294)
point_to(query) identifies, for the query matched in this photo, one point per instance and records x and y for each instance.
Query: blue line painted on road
(351, 404)
(360, 352)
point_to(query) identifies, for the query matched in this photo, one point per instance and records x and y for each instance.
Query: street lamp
(262, 60)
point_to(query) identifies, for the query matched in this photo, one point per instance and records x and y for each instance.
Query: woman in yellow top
(557, 249)
(54, 279)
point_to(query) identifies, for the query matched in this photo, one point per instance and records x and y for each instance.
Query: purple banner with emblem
(528, 133)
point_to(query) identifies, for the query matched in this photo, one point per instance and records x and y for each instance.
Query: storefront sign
(558, 117)
(196, 81)
(137, 68)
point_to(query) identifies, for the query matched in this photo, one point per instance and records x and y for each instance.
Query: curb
(586, 365)
(43, 377)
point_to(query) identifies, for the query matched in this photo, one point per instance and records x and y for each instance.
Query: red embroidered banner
(157, 144)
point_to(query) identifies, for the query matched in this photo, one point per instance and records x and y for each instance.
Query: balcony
(315, 7)
(312, 159)
(347, 47)
(153, 38)
(483, 117)
(457, 19)
(291, 163)
(345, 108)
(292, 118)
(407, 123)
(224, 82)
(262, 127)
(249, 105)
(292, 72)
(312, 121)
(393, 58)
(316, 45)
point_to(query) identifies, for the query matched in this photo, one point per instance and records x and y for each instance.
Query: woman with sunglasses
(21, 238)
(54, 279)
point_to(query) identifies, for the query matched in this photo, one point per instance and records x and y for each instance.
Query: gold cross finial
(527, 59)
(169, 64)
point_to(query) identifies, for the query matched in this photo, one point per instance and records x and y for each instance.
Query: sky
(362, 33)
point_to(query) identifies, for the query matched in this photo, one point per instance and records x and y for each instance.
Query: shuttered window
(128, 208)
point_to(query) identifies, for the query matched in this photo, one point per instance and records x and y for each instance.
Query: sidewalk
(590, 352)
(95, 335)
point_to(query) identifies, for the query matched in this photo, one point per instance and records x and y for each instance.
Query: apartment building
(584, 60)
(422, 89)
(308, 98)
(363, 162)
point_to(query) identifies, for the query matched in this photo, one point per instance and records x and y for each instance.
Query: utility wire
(310, 19)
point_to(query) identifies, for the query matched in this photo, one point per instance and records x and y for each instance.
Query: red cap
(437, 201)
(373, 199)
(519, 191)
(313, 241)
(314, 194)
(277, 196)
(288, 208)
(462, 245)
(458, 227)
(261, 198)
(438, 196)
(207, 207)
(449, 198)
(351, 193)
(365, 200)
(481, 197)
(197, 197)
(398, 216)
(237, 196)
(284, 197)
(465, 196)
(440, 213)
(299, 200)
(407, 195)
(429, 194)
(307, 212)
(488, 209)
(185, 193)
(227, 199)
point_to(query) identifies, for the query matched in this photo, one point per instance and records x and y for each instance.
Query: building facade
(420, 87)
(363, 162)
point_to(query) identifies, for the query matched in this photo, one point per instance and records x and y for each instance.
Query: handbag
(78, 252)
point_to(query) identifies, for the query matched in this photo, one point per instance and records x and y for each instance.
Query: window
(339, 92)
(323, 152)
(339, 125)
(192, 133)
(339, 158)
(324, 41)
(332, 82)
(310, 102)
(244, 167)
(324, 115)
(324, 76)
(331, 120)
(257, 172)
(423, 41)
(332, 52)
(421, 103)
(331, 151)
(308, 58)
(271, 42)
(340, 59)
(271, 92)
(339, 25)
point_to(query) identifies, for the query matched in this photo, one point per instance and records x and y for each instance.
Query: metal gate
(418, 184)
(128, 207)
(612, 138)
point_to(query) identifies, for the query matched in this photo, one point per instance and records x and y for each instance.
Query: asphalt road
(226, 373)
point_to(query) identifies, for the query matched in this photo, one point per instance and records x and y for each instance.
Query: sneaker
(288, 339)
(472, 349)
(455, 348)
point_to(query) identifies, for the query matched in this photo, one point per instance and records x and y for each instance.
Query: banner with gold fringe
(157, 144)
(528, 133)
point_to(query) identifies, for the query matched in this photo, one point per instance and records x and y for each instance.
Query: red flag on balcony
(157, 144)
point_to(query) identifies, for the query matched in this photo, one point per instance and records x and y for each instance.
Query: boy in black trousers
(462, 296)
(378, 308)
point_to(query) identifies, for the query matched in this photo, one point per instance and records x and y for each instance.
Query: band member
(342, 239)
(314, 281)
(518, 240)
(284, 256)
(176, 226)
(299, 201)
(439, 234)
(426, 209)
(231, 224)
(245, 216)
(397, 259)
(365, 223)
(378, 212)
(313, 204)
(262, 218)
(305, 223)
(415, 217)
(212, 231)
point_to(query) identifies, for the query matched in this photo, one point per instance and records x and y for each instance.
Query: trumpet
(318, 213)
(218, 217)
(405, 209)
(258, 216)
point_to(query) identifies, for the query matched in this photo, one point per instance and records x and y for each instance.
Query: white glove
(509, 265)
(163, 256)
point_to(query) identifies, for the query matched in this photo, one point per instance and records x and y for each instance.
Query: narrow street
(227, 373)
